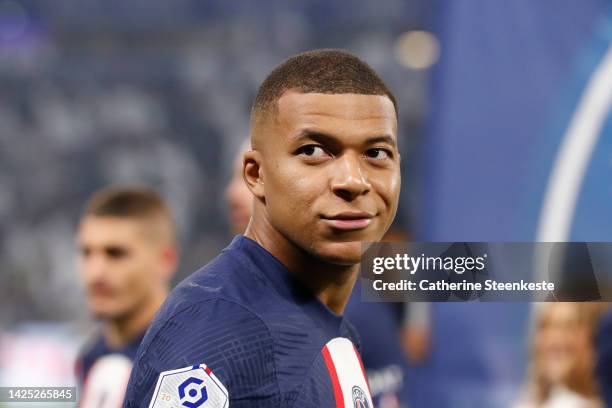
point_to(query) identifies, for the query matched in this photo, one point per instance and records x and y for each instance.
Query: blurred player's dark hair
(328, 71)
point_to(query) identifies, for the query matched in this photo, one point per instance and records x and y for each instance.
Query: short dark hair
(137, 202)
(330, 71)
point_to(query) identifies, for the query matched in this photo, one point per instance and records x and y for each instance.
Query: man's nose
(95, 267)
(349, 180)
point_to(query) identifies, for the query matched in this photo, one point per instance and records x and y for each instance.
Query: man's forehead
(354, 116)
(118, 228)
(293, 105)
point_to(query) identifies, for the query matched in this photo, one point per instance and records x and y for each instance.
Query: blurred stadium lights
(417, 49)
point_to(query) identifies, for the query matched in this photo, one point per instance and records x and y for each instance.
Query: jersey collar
(286, 285)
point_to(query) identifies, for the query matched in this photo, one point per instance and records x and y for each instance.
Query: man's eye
(378, 154)
(312, 151)
(116, 252)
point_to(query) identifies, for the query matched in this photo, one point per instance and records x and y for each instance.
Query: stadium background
(159, 92)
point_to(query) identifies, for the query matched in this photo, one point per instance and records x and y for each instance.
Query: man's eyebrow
(326, 138)
(315, 135)
(381, 139)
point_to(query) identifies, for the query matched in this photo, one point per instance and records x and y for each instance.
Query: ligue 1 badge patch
(359, 398)
(190, 387)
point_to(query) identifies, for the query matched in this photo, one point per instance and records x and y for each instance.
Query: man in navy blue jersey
(127, 256)
(261, 325)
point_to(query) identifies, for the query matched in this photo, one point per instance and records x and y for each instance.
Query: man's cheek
(388, 189)
(395, 184)
(308, 187)
(131, 284)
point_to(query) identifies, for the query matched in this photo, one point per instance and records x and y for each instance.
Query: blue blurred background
(159, 92)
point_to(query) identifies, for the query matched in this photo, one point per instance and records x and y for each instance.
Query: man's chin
(102, 315)
(103, 312)
(341, 253)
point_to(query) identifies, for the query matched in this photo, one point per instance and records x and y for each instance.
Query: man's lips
(349, 220)
(101, 290)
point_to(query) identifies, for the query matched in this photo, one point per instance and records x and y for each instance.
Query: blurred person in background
(239, 198)
(562, 357)
(127, 256)
(603, 345)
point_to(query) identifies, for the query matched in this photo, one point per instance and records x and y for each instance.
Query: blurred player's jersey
(103, 373)
(241, 330)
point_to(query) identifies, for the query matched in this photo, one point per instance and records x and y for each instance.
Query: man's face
(331, 172)
(119, 265)
(562, 344)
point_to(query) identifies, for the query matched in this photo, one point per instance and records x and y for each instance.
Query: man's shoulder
(208, 305)
(197, 317)
(231, 284)
(216, 334)
(228, 276)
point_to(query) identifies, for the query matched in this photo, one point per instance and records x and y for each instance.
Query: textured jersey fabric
(270, 342)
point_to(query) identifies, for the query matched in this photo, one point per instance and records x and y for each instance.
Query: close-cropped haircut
(328, 71)
(134, 202)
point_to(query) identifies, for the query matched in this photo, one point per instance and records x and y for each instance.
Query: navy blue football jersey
(241, 330)
(103, 372)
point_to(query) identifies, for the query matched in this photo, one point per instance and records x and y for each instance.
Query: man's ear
(252, 173)
(169, 261)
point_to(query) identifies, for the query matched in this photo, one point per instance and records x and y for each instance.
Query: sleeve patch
(189, 387)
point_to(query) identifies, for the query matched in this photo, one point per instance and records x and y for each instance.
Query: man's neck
(331, 283)
(334, 293)
(121, 331)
